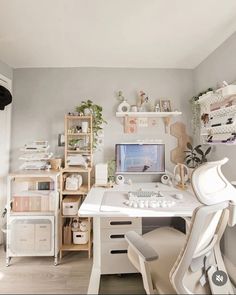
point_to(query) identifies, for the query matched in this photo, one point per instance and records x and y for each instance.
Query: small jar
(133, 108)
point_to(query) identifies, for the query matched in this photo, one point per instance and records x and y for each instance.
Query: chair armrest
(187, 223)
(140, 246)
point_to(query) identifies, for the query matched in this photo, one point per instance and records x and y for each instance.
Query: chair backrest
(202, 249)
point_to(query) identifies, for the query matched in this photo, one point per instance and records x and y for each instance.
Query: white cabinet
(32, 215)
(31, 236)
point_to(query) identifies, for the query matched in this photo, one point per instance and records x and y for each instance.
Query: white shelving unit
(32, 214)
(220, 106)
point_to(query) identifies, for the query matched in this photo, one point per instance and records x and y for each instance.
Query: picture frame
(165, 105)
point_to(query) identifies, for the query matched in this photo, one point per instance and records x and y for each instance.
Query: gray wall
(43, 96)
(220, 66)
(5, 70)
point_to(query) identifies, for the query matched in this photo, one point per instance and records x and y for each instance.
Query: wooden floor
(38, 275)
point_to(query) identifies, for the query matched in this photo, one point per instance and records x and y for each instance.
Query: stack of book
(36, 156)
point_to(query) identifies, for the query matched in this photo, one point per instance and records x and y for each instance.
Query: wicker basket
(55, 164)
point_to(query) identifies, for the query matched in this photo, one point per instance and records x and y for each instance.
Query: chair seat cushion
(168, 243)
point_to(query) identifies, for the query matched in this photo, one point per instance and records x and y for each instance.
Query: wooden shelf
(85, 152)
(76, 169)
(73, 216)
(75, 247)
(81, 191)
(148, 114)
(71, 117)
(79, 134)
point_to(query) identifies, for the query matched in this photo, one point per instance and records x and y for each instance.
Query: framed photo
(165, 105)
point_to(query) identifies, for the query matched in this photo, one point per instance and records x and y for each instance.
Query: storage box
(80, 237)
(20, 204)
(67, 234)
(70, 206)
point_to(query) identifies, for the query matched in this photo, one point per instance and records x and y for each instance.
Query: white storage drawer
(23, 237)
(30, 236)
(114, 235)
(43, 237)
(121, 222)
(114, 258)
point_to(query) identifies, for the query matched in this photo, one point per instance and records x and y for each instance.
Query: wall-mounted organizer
(32, 214)
(76, 232)
(218, 116)
(133, 120)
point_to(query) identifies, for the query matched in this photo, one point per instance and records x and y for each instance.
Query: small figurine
(143, 99)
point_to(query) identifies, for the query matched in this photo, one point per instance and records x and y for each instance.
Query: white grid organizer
(205, 102)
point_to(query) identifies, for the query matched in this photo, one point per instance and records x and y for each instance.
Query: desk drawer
(121, 222)
(114, 258)
(115, 235)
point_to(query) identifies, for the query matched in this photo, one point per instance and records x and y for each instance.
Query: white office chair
(174, 263)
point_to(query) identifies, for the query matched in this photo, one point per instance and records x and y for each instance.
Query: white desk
(93, 206)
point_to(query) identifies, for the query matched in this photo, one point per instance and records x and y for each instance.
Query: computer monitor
(136, 158)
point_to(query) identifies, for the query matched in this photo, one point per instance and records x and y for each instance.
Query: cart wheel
(55, 261)
(8, 261)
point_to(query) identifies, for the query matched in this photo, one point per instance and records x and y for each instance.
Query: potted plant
(195, 156)
(73, 143)
(88, 107)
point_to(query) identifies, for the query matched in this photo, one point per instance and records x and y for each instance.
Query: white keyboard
(142, 194)
(149, 202)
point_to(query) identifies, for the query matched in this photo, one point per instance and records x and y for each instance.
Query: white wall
(220, 66)
(5, 125)
(43, 96)
(5, 70)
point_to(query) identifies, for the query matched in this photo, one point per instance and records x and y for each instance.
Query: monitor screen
(140, 158)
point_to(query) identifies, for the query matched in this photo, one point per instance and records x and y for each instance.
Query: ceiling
(113, 33)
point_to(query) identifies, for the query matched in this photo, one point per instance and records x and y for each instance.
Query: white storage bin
(80, 237)
(70, 206)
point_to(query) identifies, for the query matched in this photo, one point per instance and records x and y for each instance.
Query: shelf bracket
(166, 121)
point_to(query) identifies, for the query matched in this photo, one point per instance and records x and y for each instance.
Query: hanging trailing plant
(196, 112)
(88, 107)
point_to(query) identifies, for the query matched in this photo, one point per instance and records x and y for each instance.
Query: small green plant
(73, 143)
(98, 120)
(195, 156)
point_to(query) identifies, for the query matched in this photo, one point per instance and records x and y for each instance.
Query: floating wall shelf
(148, 114)
(166, 116)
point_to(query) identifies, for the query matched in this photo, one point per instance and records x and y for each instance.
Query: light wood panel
(37, 275)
